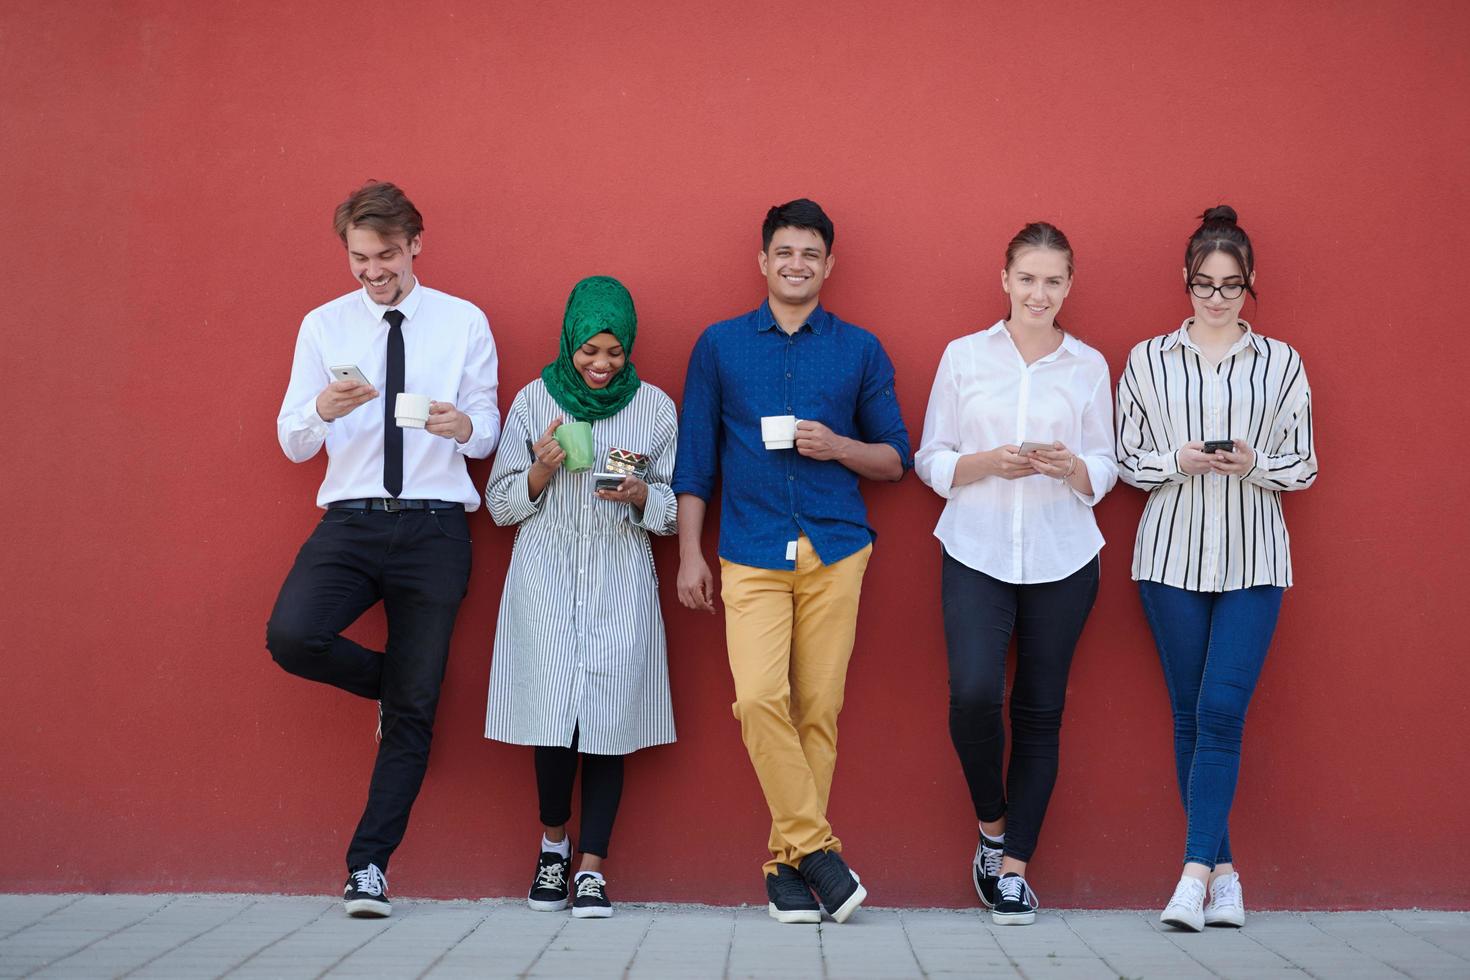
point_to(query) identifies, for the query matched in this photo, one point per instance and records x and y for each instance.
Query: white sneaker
(1186, 909)
(1227, 905)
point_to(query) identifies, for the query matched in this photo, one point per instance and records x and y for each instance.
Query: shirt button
(579, 602)
(788, 374)
(790, 477)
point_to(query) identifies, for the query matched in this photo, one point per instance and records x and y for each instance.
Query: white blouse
(1035, 529)
(1213, 532)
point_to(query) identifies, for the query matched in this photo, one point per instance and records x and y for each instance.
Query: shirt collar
(766, 320)
(1181, 336)
(408, 306)
(1070, 344)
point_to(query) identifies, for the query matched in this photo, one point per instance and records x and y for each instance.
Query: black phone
(1217, 445)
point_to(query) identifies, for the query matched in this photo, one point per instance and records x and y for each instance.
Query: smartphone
(1027, 448)
(1219, 445)
(349, 372)
(607, 481)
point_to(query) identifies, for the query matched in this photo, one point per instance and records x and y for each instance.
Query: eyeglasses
(1204, 290)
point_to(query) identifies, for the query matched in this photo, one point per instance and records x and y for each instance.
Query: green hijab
(598, 304)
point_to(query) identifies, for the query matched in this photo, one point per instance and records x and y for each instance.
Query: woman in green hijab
(580, 667)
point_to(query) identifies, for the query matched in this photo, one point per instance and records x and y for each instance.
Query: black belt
(392, 504)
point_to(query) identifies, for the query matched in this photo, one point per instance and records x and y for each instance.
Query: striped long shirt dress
(579, 641)
(1214, 533)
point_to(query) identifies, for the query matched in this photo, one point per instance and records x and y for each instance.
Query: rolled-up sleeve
(300, 430)
(878, 415)
(660, 513)
(478, 390)
(1096, 448)
(939, 447)
(699, 425)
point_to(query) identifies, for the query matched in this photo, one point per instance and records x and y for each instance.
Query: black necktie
(392, 434)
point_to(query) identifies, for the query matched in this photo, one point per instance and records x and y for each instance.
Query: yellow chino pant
(790, 637)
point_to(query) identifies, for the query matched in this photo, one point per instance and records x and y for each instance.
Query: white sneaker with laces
(1227, 904)
(1186, 909)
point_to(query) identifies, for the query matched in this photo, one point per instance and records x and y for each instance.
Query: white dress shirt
(1214, 532)
(448, 354)
(1035, 529)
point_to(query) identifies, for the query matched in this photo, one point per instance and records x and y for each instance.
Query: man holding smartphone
(792, 407)
(394, 528)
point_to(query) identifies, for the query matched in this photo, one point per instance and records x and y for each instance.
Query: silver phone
(349, 372)
(1027, 448)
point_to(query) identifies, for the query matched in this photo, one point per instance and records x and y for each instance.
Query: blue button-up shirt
(829, 371)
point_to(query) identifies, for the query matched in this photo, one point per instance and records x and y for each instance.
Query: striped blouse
(1213, 532)
(579, 642)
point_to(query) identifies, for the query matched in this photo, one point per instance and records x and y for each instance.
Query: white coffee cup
(412, 411)
(778, 431)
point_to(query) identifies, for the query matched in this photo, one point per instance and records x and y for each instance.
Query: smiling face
(1216, 312)
(384, 265)
(795, 265)
(600, 359)
(1037, 283)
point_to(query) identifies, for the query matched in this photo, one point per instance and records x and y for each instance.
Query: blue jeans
(1212, 645)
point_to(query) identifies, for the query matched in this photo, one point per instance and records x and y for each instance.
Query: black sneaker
(549, 889)
(985, 869)
(834, 883)
(591, 901)
(1015, 902)
(366, 894)
(789, 898)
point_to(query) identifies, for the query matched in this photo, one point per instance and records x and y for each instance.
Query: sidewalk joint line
(638, 946)
(282, 937)
(393, 923)
(1355, 949)
(178, 946)
(50, 963)
(35, 922)
(1088, 946)
(910, 940)
(544, 947)
(730, 943)
(455, 945)
(1424, 939)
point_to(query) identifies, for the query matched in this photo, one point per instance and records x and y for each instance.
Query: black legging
(602, 790)
(980, 615)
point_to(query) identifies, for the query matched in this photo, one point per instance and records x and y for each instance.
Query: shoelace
(1189, 893)
(1016, 890)
(552, 876)
(370, 880)
(1225, 892)
(589, 887)
(990, 858)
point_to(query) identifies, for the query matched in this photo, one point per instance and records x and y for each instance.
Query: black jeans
(980, 615)
(602, 790)
(418, 564)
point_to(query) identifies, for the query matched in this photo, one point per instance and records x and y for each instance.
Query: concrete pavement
(193, 936)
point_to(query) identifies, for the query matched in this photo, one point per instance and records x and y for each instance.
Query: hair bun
(1220, 213)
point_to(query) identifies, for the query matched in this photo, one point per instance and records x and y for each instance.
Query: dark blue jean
(417, 563)
(1212, 645)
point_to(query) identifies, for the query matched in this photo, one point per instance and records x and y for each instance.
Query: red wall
(172, 168)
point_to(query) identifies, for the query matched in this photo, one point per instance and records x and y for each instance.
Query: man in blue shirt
(794, 536)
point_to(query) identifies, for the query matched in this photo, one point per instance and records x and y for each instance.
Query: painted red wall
(171, 170)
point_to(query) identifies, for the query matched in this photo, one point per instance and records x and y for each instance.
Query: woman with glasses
(1215, 422)
(1018, 440)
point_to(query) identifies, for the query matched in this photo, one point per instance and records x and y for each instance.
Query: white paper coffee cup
(412, 411)
(778, 431)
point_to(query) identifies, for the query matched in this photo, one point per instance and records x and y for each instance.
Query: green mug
(575, 439)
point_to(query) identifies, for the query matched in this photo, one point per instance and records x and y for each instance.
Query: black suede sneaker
(985, 869)
(789, 899)
(366, 894)
(591, 901)
(549, 888)
(1015, 903)
(835, 884)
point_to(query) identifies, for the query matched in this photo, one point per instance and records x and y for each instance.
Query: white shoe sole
(548, 906)
(1233, 919)
(367, 908)
(794, 915)
(845, 911)
(1182, 920)
(1013, 918)
(591, 912)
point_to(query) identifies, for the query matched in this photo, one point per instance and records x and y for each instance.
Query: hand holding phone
(1027, 448)
(349, 389)
(1213, 446)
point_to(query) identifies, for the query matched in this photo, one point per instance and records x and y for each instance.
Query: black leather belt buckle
(392, 505)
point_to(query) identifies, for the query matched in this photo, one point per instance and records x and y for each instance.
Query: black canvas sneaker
(366, 894)
(985, 869)
(549, 888)
(591, 901)
(835, 884)
(789, 899)
(1015, 902)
